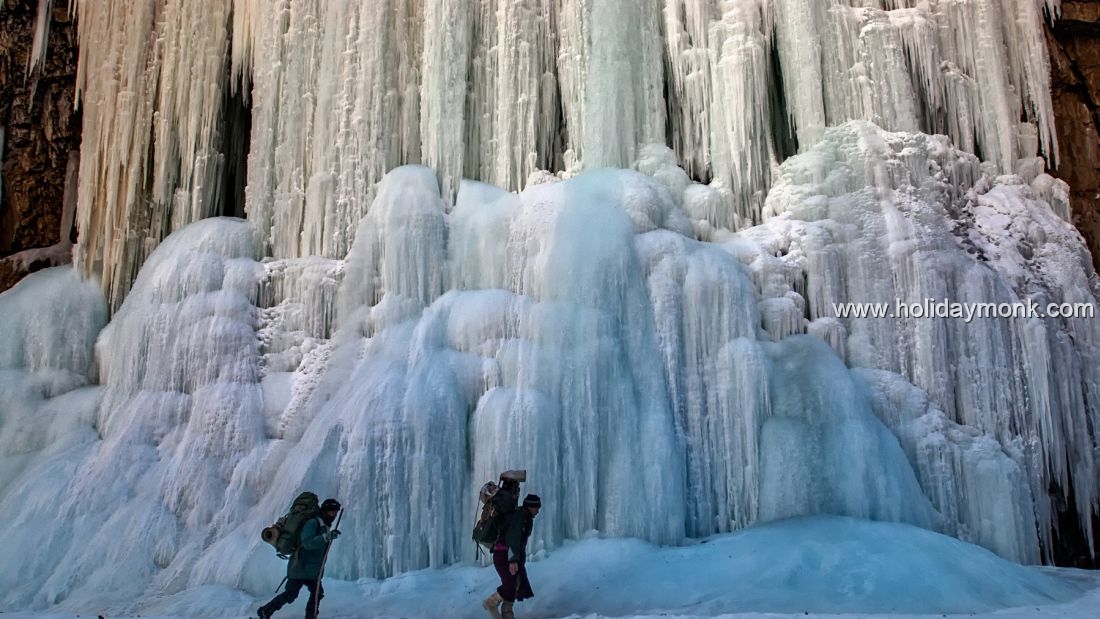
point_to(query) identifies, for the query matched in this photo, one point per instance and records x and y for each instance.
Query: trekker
(510, 558)
(306, 565)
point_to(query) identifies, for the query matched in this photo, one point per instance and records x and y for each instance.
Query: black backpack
(497, 501)
(285, 534)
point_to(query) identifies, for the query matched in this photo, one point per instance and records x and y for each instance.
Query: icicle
(799, 45)
(573, 57)
(336, 105)
(241, 44)
(1031, 68)
(688, 48)
(555, 85)
(969, 478)
(705, 316)
(894, 103)
(37, 58)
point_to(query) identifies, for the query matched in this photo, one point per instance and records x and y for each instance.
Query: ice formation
(655, 386)
(37, 58)
(659, 346)
(498, 91)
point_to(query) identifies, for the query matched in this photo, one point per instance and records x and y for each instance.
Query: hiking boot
(490, 604)
(506, 611)
(263, 613)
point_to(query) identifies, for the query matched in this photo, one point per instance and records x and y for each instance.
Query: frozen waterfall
(603, 241)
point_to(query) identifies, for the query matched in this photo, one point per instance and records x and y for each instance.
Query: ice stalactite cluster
(506, 92)
(151, 79)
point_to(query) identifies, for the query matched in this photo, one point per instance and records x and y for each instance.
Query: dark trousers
(290, 593)
(512, 588)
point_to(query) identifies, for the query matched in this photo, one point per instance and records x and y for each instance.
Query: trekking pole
(324, 559)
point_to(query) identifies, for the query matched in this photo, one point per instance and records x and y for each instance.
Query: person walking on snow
(510, 558)
(305, 566)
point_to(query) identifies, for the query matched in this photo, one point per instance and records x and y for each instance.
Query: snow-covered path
(804, 567)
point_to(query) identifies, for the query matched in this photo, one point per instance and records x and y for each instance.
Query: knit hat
(532, 500)
(330, 505)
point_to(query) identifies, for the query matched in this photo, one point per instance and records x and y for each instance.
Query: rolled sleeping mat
(270, 534)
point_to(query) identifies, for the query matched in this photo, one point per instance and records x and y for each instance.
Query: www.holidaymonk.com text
(945, 308)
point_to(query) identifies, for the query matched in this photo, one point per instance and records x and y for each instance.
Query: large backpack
(497, 501)
(285, 534)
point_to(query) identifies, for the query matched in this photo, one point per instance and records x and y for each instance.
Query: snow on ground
(824, 565)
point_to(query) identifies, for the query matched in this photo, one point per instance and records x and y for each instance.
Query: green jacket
(305, 564)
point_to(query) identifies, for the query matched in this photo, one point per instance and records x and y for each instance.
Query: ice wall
(653, 385)
(502, 92)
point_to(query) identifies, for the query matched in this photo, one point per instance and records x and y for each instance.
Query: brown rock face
(40, 129)
(1074, 44)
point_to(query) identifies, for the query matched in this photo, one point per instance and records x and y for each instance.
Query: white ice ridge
(653, 385)
(503, 91)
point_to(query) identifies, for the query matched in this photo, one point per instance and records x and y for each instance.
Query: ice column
(740, 108)
(448, 36)
(514, 112)
(623, 102)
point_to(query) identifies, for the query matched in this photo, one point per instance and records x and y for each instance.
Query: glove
(331, 535)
